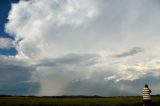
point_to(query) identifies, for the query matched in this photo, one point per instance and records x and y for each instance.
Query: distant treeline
(64, 96)
(70, 96)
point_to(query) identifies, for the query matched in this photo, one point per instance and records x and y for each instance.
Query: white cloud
(74, 42)
(6, 43)
(52, 29)
(73, 26)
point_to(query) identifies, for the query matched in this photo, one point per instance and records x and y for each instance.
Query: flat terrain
(75, 101)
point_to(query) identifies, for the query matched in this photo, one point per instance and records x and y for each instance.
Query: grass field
(48, 101)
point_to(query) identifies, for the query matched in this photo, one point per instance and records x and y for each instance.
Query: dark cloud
(130, 52)
(96, 85)
(72, 59)
(138, 84)
(58, 79)
(72, 75)
(14, 80)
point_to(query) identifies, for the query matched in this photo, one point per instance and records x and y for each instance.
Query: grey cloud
(131, 52)
(97, 86)
(14, 80)
(101, 87)
(70, 75)
(71, 59)
(57, 74)
(73, 75)
(56, 82)
(138, 84)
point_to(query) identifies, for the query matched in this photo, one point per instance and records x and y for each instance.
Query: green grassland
(49, 101)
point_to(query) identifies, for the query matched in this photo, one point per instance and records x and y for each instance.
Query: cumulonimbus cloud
(70, 43)
(52, 29)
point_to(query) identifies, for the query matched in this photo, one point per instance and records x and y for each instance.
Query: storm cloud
(82, 47)
(14, 78)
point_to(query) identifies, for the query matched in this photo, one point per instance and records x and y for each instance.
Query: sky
(79, 47)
